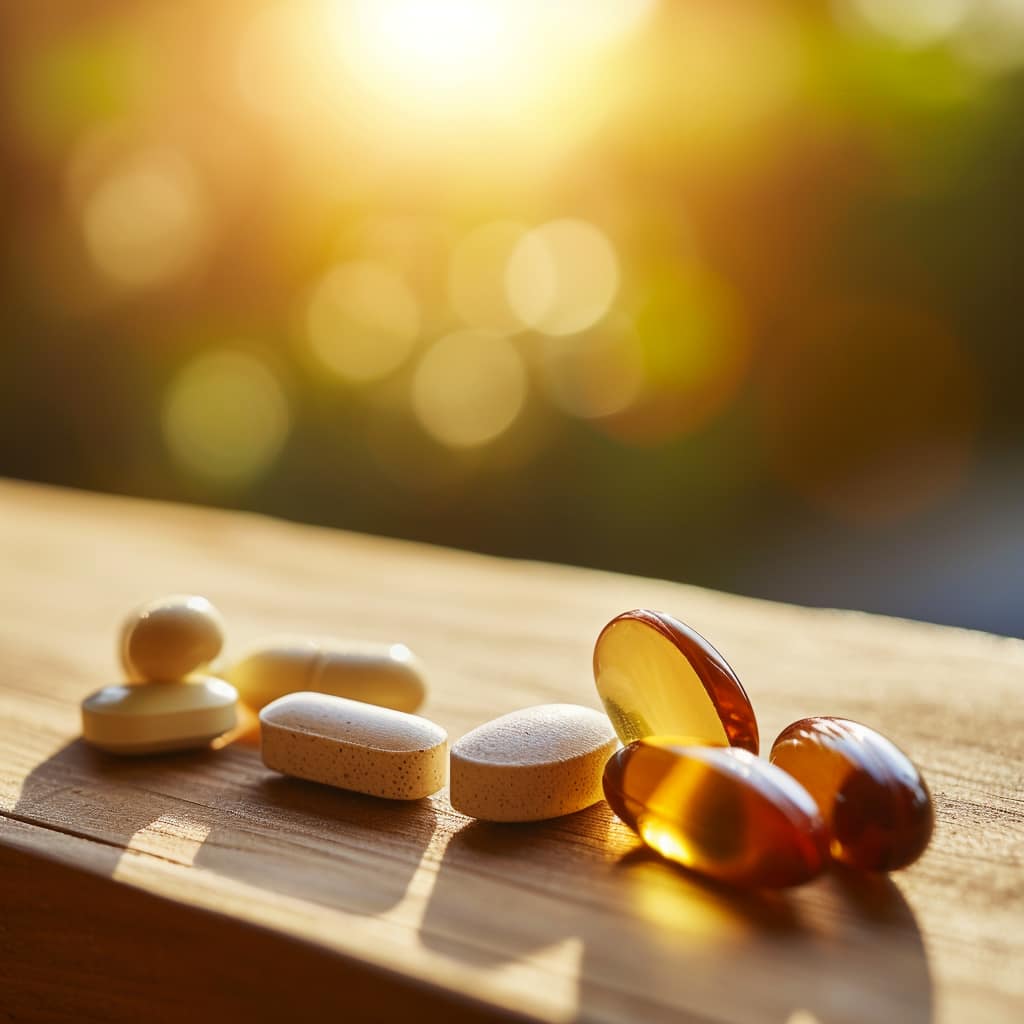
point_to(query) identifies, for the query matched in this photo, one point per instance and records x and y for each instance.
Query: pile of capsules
(688, 780)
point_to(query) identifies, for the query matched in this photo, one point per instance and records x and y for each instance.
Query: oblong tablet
(148, 718)
(537, 763)
(352, 745)
(166, 639)
(658, 677)
(718, 811)
(386, 674)
(874, 801)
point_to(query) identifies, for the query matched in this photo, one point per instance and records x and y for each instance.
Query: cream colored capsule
(386, 674)
(537, 763)
(354, 745)
(166, 639)
(147, 718)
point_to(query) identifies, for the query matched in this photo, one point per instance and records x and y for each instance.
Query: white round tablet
(148, 718)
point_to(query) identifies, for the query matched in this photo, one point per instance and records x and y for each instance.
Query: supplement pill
(386, 674)
(354, 745)
(148, 718)
(166, 639)
(876, 806)
(718, 811)
(658, 677)
(537, 763)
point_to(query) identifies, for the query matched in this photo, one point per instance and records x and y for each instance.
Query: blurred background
(725, 292)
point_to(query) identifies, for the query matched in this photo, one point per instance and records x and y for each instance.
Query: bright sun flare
(448, 54)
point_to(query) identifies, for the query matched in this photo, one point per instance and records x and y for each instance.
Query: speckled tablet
(352, 745)
(537, 763)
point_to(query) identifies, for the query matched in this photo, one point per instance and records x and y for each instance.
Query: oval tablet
(148, 718)
(876, 805)
(353, 745)
(166, 639)
(386, 674)
(658, 677)
(537, 763)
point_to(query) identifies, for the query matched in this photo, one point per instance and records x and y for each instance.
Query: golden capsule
(718, 811)
(876, 806)
(658, 677)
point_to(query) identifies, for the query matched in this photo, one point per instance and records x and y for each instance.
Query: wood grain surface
(201, 884)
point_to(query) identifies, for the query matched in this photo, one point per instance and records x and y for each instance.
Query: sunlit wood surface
(176, 887)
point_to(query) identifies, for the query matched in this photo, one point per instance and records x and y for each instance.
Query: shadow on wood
(845, 949)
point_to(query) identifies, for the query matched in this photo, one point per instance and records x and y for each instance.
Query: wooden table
(194, 884)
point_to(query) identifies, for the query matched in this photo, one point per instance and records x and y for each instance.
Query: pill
(170, 637)
(354, 745)
(876, 806)
(658, 677)
(537, 763)
(386, 674)
(718, 811)
(147, 718)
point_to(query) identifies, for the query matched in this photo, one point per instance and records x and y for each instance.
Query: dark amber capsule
(875, 804)
(719, 811)
(658, 677)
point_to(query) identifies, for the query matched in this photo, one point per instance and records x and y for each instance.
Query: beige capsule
(354, 745)
(537, 763)
(386, 674)
(167, 639)
(150, 718)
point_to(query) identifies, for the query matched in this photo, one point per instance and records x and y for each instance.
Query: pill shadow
(353, 852)
(225, 812)
(649, 935)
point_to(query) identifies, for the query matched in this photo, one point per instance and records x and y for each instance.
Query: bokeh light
(910, 22)
(991, 38)
(225, 418)
(147, 221)
(469, 387)
(562, 277)
(476, 276)
(362, 320)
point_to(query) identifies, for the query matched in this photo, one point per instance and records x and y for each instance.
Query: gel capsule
(386, 674)
(875, 804)
(150, 718)
(658, 677)
(718, 811)
(166, 639)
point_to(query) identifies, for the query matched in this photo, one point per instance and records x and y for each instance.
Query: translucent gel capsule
(875, 804)
(718, 811)
(658, 677)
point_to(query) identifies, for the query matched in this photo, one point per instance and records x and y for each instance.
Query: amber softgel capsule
(875, 804)
(169, 638)
(658, 677)
(718, 811)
